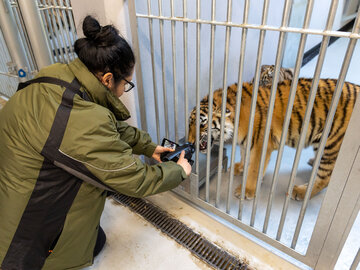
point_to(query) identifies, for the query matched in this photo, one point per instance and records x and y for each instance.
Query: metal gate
(33, 34)
(179, 45)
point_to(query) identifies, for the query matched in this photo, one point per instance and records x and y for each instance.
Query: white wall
(108, 12)
(318, 21)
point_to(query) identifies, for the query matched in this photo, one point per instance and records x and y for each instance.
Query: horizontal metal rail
(257, 26)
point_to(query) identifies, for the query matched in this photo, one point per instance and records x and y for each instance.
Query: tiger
(314, 132)
(267, 74)
(266, 78)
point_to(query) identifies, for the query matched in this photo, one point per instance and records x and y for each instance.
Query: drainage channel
(198, 245)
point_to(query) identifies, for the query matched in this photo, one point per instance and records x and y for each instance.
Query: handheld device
(174, 156)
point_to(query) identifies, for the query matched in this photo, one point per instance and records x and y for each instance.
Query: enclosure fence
(33, 34)
(156, 21)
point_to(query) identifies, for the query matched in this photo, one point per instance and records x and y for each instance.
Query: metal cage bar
(238, 103)
(356, 261)
(153, 73)
(252, 108)
(310, 104)
(211, 97)
(288, 113)
(195, 186)
(193, 195)
(185, 37)
(174, 74)
(259, 27)
(161, 26)
(270, 111)
(223, 107)
(326, 131)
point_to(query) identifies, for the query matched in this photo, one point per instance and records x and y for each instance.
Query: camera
(174, 156)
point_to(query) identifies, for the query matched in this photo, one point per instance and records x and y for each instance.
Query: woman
(63, 145)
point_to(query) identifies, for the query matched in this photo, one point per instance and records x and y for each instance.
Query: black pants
(100, 241)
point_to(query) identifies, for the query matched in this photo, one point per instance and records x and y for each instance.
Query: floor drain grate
(199, 246)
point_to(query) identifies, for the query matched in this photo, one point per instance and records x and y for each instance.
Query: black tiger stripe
(345, 107)
(329, 155)
(260, 93)
(338, 140)
(245, 88)
(292, 142)
(313, 125)
(327, 161)
(324, 177)
(324, 169)
(300, 119)
(243, 140)
(290, 129)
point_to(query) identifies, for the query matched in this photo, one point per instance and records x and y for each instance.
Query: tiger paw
(311, 162)
(239, 168)
(299, 192)
(249, 193)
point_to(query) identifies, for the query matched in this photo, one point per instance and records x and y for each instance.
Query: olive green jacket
(59, 152)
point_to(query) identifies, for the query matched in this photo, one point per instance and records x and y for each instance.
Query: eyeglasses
(128, 85)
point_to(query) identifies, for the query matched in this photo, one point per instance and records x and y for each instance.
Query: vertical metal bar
(67, 30)
(174, 73)
(12, 37)
(63, 43)
(329, 120)
(51, 35)
(153, 74)
(356, 261)
(166, 114)
(252, 109)
(279, 56)
(195, 186)
(25, 38)
(238, 103)
(223, 108)
(36, 32)
(48, 33)
(288, 113)
(71, 19)
(57, 40)
(309, 107)
(210, 102)
(138, 69)
(185, 37)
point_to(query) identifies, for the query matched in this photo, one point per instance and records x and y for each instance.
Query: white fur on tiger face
(215, 126)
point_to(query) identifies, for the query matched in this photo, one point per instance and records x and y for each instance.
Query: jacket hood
(97, 91)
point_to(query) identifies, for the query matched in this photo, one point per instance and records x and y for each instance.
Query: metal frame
(37, 33)
(315, 254)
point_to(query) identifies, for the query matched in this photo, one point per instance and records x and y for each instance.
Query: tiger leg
(239, 166)
(251, 181)
(326, 167)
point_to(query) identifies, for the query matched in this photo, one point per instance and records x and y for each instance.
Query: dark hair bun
(104, 50)
(101, 36)
(91, 27)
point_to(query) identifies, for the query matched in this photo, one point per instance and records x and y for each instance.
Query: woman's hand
(183, 162)
(159, 150)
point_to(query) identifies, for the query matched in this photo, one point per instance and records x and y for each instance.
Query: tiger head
(216, 118)
(266, 75)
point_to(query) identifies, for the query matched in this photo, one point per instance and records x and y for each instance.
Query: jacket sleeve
(139, 140)
(96, 153)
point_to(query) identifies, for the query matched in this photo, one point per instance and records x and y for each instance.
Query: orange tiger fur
(317, 122)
